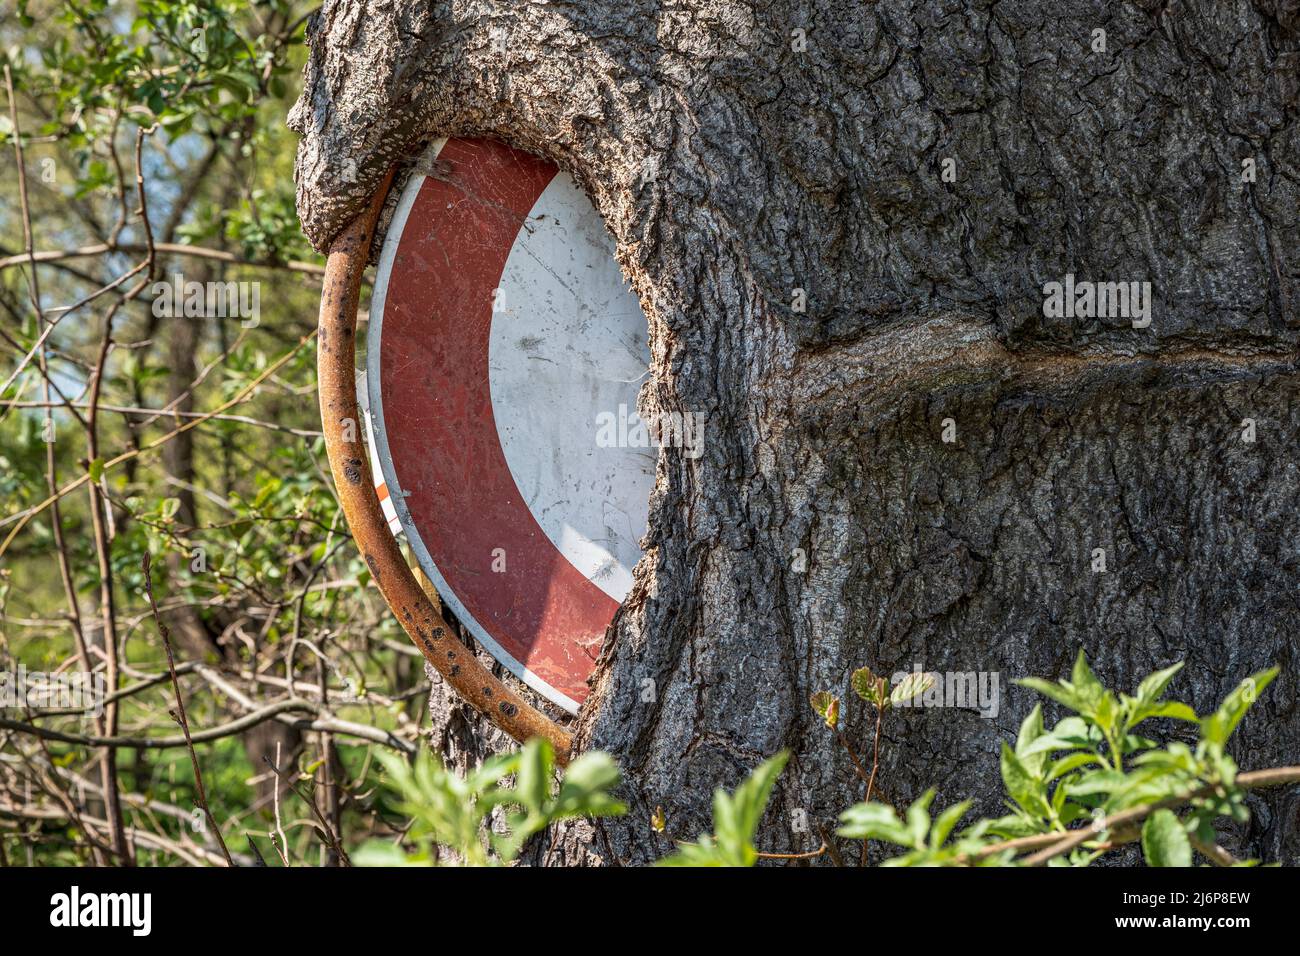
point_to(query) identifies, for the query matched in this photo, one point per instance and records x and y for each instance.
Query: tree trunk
(840, 218)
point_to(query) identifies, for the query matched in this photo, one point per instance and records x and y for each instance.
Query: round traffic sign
(503, 345)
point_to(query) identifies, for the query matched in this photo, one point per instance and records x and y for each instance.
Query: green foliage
(872, 689)
(735, 821)
(178, 64)
(926, 841)
(877, 692)
(485, 817)
(1164, 841)
(1076, 771)
(827, 706)
(253, 563)
(910, 687)
(1090, 766)
(868, 686)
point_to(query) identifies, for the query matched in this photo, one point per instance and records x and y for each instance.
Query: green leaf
(1106, 712)
(704, 853)
(267, 490)
(1084, 680)
(1031, 728)
(381, 853)
(533, 779)
(492, 771)
(448, 810)
(1164, 841)
(1218, 727)
(735, 821)
(868, 686)
(827, 706)
(1103, 781)
(1174, 709)
(913, 685)
(583, 790)
(1134, 742)
(918, 818)
(96, 469)
(1061, 693)
(750, 799)
(1063, 766)
(873, 821)
(1082, 693)
(944, 823)
(1177, 756)
(1147, 703)
(1076, 729)
(1021, 785)
(1154, 685)
(1050, 743)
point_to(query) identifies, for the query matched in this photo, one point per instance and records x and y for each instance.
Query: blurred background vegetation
(195, 439)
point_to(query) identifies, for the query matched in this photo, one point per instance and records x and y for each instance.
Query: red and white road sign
(502, 337)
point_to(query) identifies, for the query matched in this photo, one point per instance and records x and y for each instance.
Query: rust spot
(438, 634)
(352, 470)
(487, 691)
(507, 708)
(373, 565)
(455, 669)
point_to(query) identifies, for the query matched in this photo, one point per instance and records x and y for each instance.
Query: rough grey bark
(734, 168)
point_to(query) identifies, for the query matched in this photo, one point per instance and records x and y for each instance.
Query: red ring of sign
(431, 406)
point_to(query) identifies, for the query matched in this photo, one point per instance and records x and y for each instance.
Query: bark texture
(740, 151)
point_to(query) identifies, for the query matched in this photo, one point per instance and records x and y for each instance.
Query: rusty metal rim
(350, 464)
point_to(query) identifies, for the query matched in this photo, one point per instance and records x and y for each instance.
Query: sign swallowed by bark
(502, 339)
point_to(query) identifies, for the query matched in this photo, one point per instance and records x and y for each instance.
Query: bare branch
(202, 794)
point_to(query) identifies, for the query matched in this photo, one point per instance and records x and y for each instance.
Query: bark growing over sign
(840, 217)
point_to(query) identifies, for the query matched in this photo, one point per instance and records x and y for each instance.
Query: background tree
(143, 142)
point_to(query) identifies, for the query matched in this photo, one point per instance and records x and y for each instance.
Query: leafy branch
(453, 815)
(1091, 784)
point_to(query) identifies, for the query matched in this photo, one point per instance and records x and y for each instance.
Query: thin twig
(810, 855)
(181, 719)
(831, 850)
(875, 766)
(282, 844)
(166, 248)
(165, 743)
(331, 839)
(107, 602)
(1213, 852)
(108, 759)
(159, 412)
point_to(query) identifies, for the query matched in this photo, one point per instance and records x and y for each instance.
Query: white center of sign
(568, 344)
